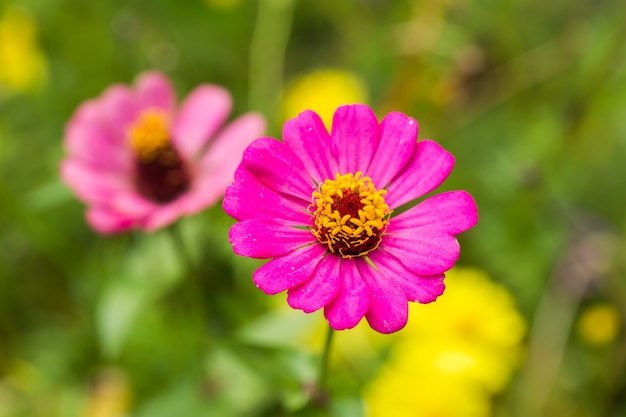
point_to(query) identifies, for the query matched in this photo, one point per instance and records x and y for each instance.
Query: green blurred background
(529, 96)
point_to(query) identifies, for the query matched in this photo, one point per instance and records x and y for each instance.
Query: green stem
(191, 299)
(321, 390)
(194, 287)
(179, 242)
(267, 52)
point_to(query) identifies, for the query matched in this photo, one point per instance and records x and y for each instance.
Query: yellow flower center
(149, 135)
(350, 214)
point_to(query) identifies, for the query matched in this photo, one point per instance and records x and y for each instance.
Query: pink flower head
(140, 161)
(323, 206)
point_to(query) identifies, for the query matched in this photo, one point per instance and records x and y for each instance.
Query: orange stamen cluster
(149, 135)
(350, 214)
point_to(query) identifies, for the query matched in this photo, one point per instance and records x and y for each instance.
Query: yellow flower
(22, 65)
(452, 354)
(599, 324)
(473, 309)
(399, 393)
(322, 91)
(476, 323)
(110, 396)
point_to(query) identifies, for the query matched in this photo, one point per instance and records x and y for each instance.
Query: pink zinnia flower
(139, 161)
(323, 207)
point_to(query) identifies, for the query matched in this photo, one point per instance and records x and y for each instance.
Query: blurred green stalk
(325, 361)
(267, 52)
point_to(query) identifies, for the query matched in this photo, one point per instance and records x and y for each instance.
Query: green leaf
(151, 270)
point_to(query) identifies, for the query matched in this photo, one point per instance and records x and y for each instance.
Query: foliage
(528, 96)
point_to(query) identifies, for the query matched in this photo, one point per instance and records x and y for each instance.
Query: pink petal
(90, 114)
(424, 253)
(354, 137)
(426, 170)
(202, 195)
(424, 289)
(104, 221)
(248, 198)
(389, 310)
(216, 170)
(91, 185)
(201, 114)
(398, 137)
(423, 236)
(452, 212)
(273, 163)
(267, 238)
(155, 91)
(307, 137)
(290, 270)
(352, 300)
(320, 289)
(226, 151)
(132, 205)
(162, 216)
(120, 107)
(91, 144)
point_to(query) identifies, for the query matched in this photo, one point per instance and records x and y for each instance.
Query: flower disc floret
(350, 214)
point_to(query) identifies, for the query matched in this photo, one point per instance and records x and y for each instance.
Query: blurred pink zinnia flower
(322, 206)
(139, 161)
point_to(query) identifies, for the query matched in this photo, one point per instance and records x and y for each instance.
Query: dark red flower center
(161, 175)
(351, 215)
(164, 178)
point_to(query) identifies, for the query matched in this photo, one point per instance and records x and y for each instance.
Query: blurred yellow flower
(404, 394)
(473, 309)
(453, 353)
(599, 324)
(22, 65)
(110, 396)
(475, 318)
(323, 90)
